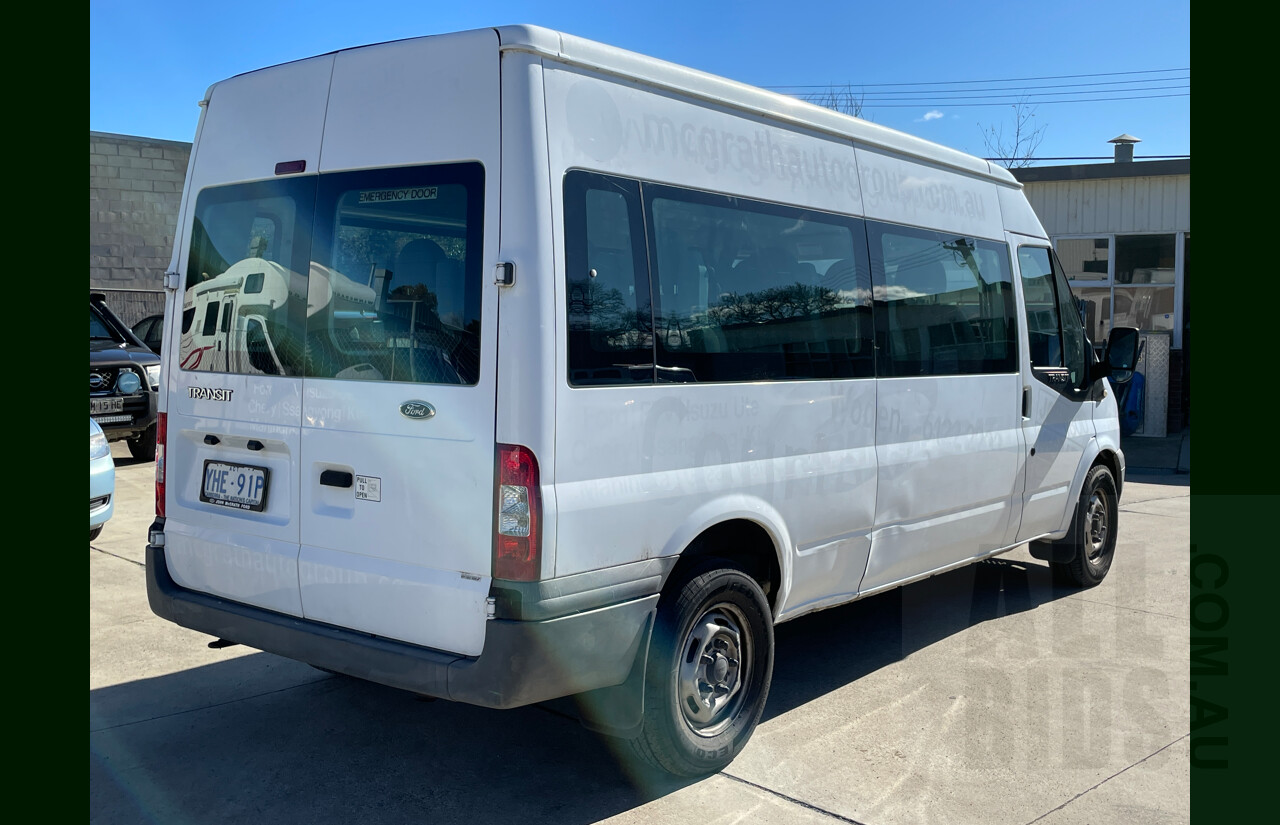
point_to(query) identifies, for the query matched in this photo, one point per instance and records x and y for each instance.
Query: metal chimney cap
(1125, 138)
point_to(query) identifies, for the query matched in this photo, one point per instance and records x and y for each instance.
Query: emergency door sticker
(408, 193)
(368, 488)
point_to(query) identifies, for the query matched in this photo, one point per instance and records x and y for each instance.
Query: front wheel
(710, 665)
(1092, 533)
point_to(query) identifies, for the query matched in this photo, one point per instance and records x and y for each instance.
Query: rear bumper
(523, 661)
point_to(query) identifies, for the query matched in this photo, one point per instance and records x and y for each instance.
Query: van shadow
(264, 739)
(825, 651)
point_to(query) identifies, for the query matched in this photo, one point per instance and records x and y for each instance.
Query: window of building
(1123, 280)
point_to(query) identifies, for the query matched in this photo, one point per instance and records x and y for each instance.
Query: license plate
(111, 404)
(239, 486)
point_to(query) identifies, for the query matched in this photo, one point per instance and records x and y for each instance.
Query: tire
(1093, 532)
(94, 532)
(713, 626)
(143, 447)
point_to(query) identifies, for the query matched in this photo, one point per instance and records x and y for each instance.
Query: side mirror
(1121, 356)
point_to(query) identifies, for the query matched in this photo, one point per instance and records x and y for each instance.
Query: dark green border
(1236, 495)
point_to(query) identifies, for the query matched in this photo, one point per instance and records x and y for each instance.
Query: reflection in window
(610, 337)
(948, 303)
(1097, 312)
(1084, 259)
(1044, 336)
(1054, 326)
(389, 293)
(247, 253)
(1145, 259)
(1147, 308)
(749, 292)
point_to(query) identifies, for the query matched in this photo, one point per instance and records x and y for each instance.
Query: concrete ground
(980, 696)
(1165, 455)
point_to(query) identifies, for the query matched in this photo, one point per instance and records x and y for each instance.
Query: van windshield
(369, 275)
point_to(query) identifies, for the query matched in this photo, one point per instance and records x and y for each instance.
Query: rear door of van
(397, 455)
(338, 464)
(234, 425)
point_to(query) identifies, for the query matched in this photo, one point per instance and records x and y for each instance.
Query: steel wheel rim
(715, 659)
(1097, 526)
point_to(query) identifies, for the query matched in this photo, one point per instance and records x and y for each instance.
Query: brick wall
(135, 185)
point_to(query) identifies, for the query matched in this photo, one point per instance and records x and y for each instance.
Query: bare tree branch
(840, 98)
(1025, 136)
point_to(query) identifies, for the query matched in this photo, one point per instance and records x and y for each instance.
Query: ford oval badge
(417, 410)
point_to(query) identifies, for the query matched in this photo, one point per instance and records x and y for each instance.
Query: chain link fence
(132, 305)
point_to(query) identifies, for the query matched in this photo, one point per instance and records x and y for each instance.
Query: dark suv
(124, 380)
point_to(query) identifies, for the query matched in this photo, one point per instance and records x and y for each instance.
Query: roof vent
(1124, 147)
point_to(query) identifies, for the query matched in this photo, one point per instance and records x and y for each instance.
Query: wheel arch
(749, 533)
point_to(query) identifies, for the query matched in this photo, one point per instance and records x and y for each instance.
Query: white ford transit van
(504, 365)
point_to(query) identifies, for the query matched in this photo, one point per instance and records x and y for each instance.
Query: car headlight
(153, 375)
(98, 446)
(128, 382)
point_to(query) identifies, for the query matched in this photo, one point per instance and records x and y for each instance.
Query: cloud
(930, 115)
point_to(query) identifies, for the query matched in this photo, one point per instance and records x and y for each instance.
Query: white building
(1123, 233)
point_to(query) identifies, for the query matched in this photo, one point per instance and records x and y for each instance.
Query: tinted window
(947, 303)
(1055, 330)
(1043, 333)
(99, 329)
(356, 275)
(606, 280)
(395, 281)
(746, 291)
(246, 234)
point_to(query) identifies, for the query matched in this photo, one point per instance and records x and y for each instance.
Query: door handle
(1026, 402)
(335, 478)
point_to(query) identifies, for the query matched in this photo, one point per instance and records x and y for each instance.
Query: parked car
(150, 330)
(124, 381)
(102, 480)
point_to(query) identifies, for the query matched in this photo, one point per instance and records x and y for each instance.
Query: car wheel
(94, 532)
(710, 664)
(1092, 533)
(143, 447)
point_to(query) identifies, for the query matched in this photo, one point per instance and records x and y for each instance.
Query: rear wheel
(709, 669)
(143, 447)
(1093, 532)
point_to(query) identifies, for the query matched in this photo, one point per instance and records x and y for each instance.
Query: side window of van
(1054, 329)
(249, 249)
(610, 335)
(946, 303)
(748, 291)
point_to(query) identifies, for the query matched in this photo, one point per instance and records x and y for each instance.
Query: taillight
(517, 524)
(162, 426)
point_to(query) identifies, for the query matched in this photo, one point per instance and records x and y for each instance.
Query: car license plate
(240, 486)
(112, 404)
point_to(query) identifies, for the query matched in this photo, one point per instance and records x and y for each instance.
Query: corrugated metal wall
(1122, 205)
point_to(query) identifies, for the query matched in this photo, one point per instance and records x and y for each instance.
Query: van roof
(671, 77)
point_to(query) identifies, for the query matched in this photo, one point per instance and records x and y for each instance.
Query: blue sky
(150, 62)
